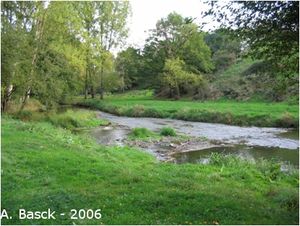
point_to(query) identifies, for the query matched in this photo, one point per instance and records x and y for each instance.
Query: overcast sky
(146, 13)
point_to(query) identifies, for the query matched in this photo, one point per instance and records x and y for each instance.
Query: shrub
(167, 131)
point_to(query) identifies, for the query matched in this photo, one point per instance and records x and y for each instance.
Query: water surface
(286, 156)
(250, 136)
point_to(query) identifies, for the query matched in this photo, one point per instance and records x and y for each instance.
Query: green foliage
(76, 119)
(141, 133)
(23, 115)
(128, 65)
(69, 119)
(225, 48)
(176, 78)
(174, 37)
(168, 131)
(271, 36)
(249, 78)
(62, 166)
(52, 50)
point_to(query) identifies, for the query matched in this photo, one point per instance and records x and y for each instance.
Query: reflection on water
(286, 156)
(110, 135)
(292, 134)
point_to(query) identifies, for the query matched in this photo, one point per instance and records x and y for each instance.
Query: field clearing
(222, 111)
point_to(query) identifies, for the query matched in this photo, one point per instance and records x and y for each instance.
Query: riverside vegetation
(46, 166)
(251, 113)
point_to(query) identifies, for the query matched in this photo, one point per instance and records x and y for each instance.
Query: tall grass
(68, 119)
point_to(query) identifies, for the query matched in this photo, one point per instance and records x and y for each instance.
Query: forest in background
(57, 50)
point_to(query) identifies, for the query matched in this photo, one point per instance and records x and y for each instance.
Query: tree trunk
(86, 84)
(7, 94)
(101, 82)
(123, 84)
(38, 37)
(26, 96)
(177, 94)
(92, 92)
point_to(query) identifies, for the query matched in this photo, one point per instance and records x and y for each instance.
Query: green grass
(237, 68)
(77, 119)
(44, 166)
(69, 119)
(142, 134)
(223, 111)
(168, 131)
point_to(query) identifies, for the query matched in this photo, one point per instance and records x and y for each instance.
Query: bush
(167, 131)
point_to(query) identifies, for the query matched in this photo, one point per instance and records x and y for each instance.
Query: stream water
(246, 142)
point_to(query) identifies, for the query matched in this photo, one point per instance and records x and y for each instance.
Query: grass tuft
(168, 131)
(141, 133)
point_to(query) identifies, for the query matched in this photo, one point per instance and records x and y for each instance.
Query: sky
(145, 14)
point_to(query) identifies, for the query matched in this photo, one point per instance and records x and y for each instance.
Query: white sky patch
(146, 13)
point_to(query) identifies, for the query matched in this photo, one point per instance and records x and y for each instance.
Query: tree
(112, 18)
(225, 48)
(128, 64)
(41, 50)
(270, 28)
(175, 37)
(180, 37)
(102, 27)
(176, 78)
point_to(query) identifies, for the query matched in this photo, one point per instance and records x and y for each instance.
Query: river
(247, 142)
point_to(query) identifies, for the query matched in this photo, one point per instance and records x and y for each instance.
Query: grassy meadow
(244, 113)
(47, 166)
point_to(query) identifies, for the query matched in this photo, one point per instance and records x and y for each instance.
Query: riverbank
(44, 166)
(195, 141)
(143, 104)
